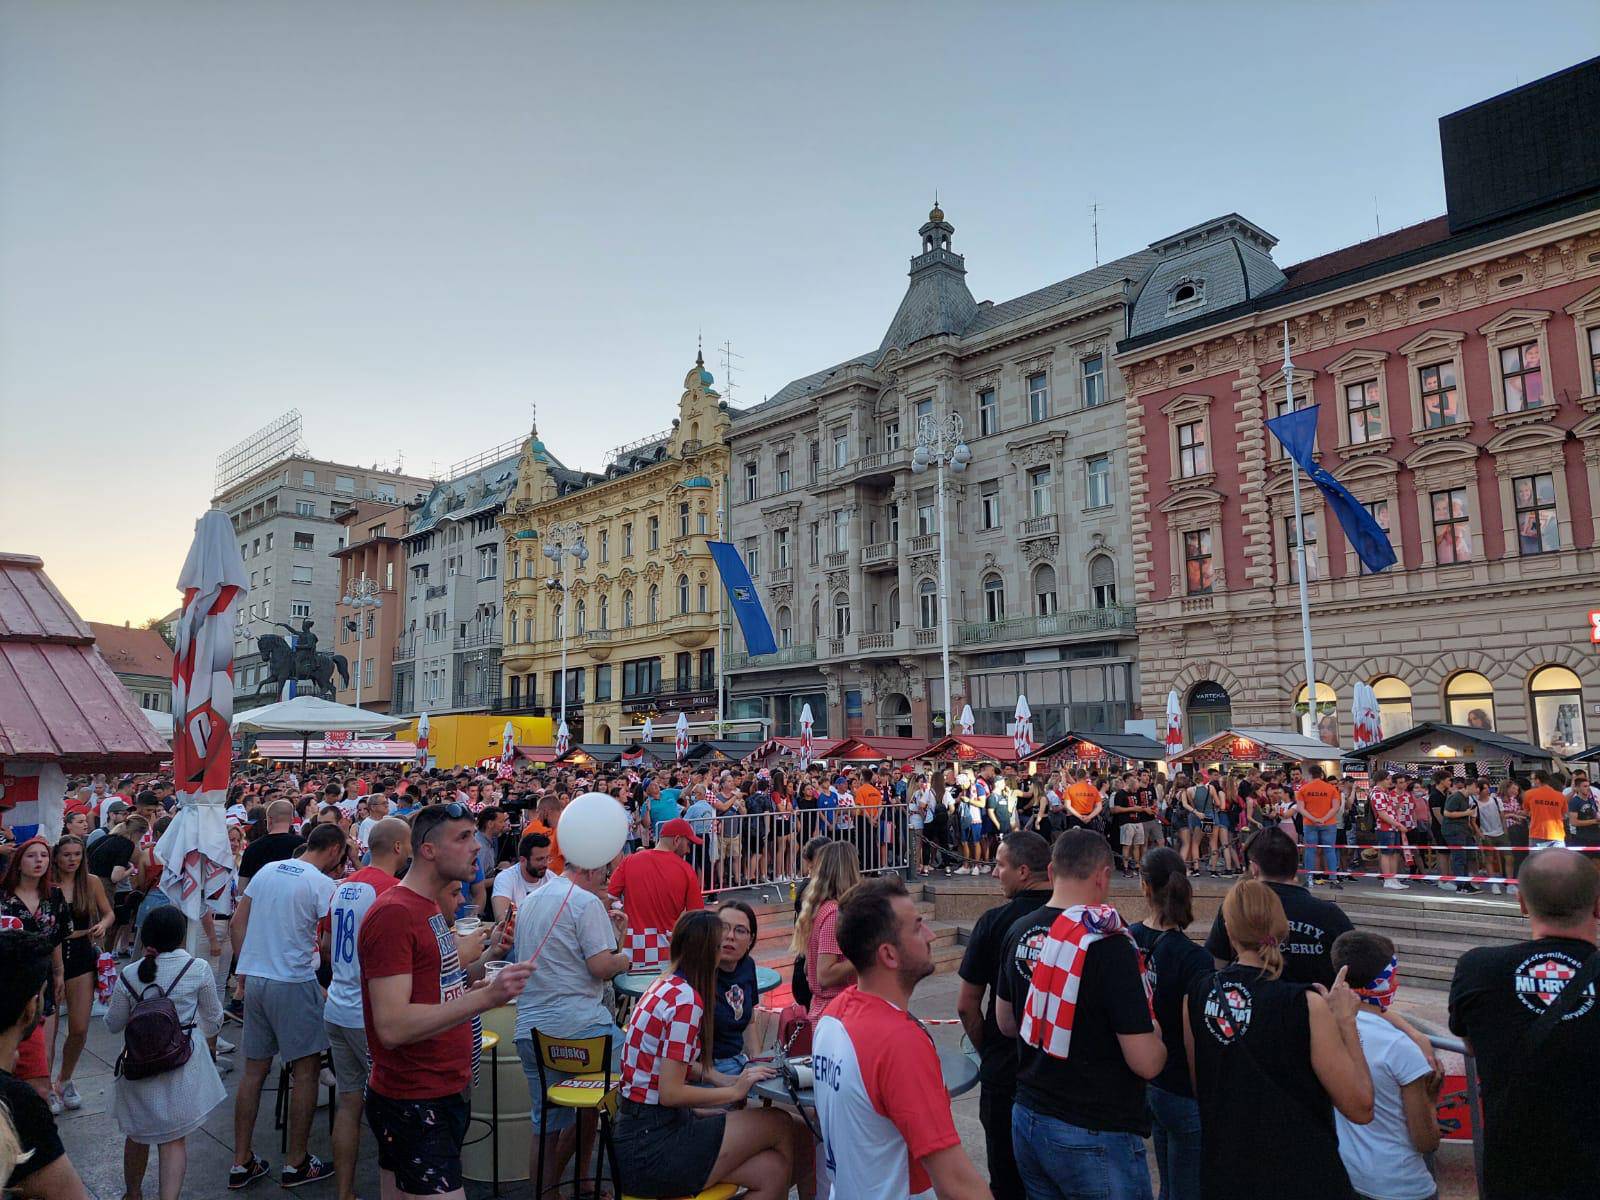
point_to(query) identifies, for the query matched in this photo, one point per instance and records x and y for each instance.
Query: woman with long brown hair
(665, 1147)
(29, 902)
(828, 971)
(1269, 1062)
(89, 916)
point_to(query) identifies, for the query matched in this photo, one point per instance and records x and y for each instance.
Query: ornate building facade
(642, 639)
(842, 537)
(1455, 364)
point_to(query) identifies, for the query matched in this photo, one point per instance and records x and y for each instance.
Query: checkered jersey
(665, 1025)
(648, 948)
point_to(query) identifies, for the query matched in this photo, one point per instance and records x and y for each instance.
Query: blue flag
(758, 637)
(1297, 431)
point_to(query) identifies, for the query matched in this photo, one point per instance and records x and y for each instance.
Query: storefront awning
(1130, 747)
(1259, 745)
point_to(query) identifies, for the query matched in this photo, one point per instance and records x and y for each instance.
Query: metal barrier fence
(763, 849)
(1441, 1040)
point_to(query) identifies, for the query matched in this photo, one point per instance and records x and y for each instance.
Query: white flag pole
(1300, 549)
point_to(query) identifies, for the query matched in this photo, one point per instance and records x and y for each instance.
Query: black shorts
(79, 956)
(667, 1151)
(419, 1141)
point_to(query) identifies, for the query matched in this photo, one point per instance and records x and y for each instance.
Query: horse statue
(302, 661)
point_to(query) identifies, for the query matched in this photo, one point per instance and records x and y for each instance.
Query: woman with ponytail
(1172, 964)
(162, 1109)
(1270, 1061)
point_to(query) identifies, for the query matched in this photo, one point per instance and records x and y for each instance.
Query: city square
(534, 662)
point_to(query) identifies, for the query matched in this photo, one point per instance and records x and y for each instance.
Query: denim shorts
(971, 835)
(558, 1117)
(667, 1151)
(731, 1066)
(1388, 839)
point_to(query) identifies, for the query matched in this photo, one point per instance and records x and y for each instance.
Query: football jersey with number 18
(346, 910)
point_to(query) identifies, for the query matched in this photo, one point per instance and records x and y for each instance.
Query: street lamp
(939, 445)
(562, 543)
(363, 594)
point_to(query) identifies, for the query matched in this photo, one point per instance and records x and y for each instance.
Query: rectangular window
(305, 541)
(891, 435)
(988, 413)
(1520, 377)
(255, 547)
(488, 562)
(893, 513)
(708, 669)
(1379, 511)
(1441, 402)
(841, 448)
(813, 541)
(922, 411)
(602, 681)
(299, 608)
(1292, 548)
(683, 520)
(1594, 359)
(1094, 381)
(300, 575)
(1193, 458)
(1362, 412)
(814, 459)
(304, 508)
(308, 478)
(841, 529)
(1197, 561)
(652, 529)
(255, 580)
(1537, 529)
(1040, 502)
(627, 539)
(782, 462)
(1452, 536)
(266, 576)
(1038, 396)
(752, 489)
(989, 504)
(605, 545)
(780, 548)
(388, 576)
(752, 555)
(1097, 481)
(927, 519)
(366, 680)
(268, 544)
(343, 483)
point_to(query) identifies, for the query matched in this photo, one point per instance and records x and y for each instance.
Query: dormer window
(1186, 292)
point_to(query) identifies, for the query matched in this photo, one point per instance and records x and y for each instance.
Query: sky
(413, 222)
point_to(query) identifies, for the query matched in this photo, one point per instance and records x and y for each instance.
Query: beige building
(642, 639)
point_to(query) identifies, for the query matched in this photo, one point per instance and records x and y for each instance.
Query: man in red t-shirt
(656, 888)
(418, 1002)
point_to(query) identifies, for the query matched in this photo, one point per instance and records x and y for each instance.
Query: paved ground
(95, 1145)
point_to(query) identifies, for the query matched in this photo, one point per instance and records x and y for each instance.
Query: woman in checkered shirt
(665, 1147)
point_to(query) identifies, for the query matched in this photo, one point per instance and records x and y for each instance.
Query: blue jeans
(1175, 1130)
(1058, 1161)
(1321, 837)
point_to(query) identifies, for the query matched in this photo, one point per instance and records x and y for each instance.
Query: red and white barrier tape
(1429, 878)
(1428, 846)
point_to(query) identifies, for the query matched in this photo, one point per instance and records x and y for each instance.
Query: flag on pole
(806, 745)
(1022, 730)
(563, 740)
(969, 723)
(680, 740)
(1174, 725)
(422, 741)
(1297, 432)
(743, 597)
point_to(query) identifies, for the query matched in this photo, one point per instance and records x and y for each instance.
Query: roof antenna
(728, 355)
(1094, 211)
(1376, 224)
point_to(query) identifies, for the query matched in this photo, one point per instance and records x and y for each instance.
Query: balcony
(875, 641)
(876, 463)
(688, 630)
(405, 648)
(923, 543)
(480, 640)
(598, 643)
(836, 559)
(879, 554)
(1060, 624)
(485, 698)
(923, 638)
(835, 647)
(787, 656)
(780, 576)
(1038, 527)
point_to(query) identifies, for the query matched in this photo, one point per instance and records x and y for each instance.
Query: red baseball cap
(678, 827)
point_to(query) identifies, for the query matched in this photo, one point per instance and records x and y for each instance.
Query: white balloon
(592, 830)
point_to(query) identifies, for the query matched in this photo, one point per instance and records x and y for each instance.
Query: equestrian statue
(297, 657)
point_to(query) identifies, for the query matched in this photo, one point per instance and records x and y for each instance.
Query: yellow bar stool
(591, 1089)
(717, 1191)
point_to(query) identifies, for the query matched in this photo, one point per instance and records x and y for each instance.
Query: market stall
(972, 748)
(1102, 751)
(305, 717)
(354, 750)
(1466, 751)
(1258, 748)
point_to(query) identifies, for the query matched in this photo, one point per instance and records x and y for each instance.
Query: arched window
(785, 628)
(994, 599)
(556, 621)
(816, 620)
(627, 609)
(683, 593)
(1103, 581)
(1557, 696)
(1044, 590)
(653, 602)
(1209, 710)
(927, 605)
(1327, 722)
(578, 617)
(841, 614)
(511, 629)
(1469, 700)
(603, 611)
(1394, 705)
(894, 608)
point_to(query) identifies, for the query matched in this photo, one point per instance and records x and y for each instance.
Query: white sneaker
(55, 1105)
(961, 870)
(1498, 889)
(224, 1046)
(1393, 885)
(1447, 887)
(70, 1097)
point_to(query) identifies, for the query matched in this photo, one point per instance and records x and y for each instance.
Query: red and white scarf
(1053, 993)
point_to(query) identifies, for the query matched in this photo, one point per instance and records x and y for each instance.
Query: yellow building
(642, 641)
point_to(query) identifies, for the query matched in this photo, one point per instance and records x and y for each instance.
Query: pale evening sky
(413, 220)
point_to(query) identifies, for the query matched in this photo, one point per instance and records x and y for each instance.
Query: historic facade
(842, 537)
(372, 557)
(1456, 366)
(642, 640)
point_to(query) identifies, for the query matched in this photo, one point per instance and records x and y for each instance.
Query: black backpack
(154, 1040)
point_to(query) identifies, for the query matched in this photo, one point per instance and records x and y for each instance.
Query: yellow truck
(466, 739)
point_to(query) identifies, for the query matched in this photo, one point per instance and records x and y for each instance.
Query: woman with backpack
(168, 1012)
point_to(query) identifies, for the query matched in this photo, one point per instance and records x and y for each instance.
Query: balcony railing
(595, 636)
(878, 552)
(875, 641)
(923, 543)
(1058, 624)
(488, 637)
(435, 591)
(925, 637)
(405, 648)
(738, 660)
(1035, 527)
(780, 575)
(836, 559)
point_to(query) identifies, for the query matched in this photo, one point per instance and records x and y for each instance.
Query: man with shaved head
(1530, 1014)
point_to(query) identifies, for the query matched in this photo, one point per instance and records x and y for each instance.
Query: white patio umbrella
(308, 715)
(806, 744)
(161, 721)
(422, 740)
(680, 739)
(563, 740)
(969, 723)
(1022, 730)
(647, 732)
(1174, 725)
(197, 862)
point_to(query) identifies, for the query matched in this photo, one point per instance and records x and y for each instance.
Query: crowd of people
(375, 918)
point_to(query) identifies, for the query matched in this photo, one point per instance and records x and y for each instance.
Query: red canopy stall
(973, 747)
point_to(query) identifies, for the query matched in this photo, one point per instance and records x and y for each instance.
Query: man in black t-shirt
(1313, 923)
(1022, 867)
(1080, 1120)
(45, 1170)
(279, 843)
(1539, 1141)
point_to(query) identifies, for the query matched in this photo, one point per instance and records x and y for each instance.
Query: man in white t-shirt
(378, 809)
(275, 930)
(390, 847)
(531, 873)
(1384, 1158)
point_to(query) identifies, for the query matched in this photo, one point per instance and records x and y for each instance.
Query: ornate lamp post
(363, 594)
(939, 445)
(562, 544)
